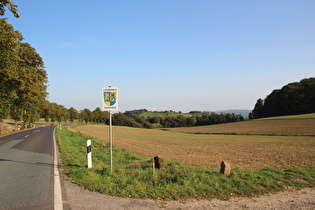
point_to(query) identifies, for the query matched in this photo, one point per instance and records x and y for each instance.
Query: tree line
(293, 98)
(53, 112)
(205, 118)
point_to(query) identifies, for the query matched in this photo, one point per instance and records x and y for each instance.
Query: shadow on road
(37, 163)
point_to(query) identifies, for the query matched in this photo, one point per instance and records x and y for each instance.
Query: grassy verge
(133, 177)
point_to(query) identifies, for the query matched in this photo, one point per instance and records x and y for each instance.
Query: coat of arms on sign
(110, 98)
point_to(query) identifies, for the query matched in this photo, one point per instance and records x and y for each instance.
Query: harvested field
(204, 150)
(302, 127)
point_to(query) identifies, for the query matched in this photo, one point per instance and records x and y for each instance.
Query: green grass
(301, 116)
(132, 175)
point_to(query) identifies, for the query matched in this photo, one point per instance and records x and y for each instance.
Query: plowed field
(243, 151)
(263, 127)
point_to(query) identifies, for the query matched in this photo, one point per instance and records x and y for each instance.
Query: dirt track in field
(242, 151)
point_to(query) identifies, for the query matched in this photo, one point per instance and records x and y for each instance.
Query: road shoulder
(76, 197)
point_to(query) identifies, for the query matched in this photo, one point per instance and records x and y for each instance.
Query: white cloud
(68, 45)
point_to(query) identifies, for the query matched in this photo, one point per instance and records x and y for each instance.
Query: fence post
(159, 162)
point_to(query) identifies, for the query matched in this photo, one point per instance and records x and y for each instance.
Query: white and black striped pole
(89, 153)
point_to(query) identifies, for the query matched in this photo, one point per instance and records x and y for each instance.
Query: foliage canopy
(23, 78)
(10, 5)
(293, 98)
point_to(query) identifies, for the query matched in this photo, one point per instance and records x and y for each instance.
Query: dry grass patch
(243, 151)
(8, 128)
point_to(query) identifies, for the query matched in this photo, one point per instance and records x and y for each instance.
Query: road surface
(27, 169)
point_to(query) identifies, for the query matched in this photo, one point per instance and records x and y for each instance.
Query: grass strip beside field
(132, 175)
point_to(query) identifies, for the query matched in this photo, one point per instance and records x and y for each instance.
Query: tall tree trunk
(1, 125)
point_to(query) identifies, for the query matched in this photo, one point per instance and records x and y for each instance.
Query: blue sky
(180, 55)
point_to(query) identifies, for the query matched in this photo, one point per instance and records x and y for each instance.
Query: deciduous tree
(85, 115)
(293, 98)
(10, 5)
(23, 78)
(31, 84)
(73, 114)
(9, 61)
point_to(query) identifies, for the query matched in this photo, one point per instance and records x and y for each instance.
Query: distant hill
(145, 113)
(243, 112)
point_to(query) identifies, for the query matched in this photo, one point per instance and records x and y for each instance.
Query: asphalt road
(27, 169)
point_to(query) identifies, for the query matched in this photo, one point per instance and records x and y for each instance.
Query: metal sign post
(110, 141)
(110, 102)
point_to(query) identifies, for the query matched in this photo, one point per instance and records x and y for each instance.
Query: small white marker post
(153, 166)
(89, 153)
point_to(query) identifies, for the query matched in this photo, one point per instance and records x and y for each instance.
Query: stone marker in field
(159, 162)
(225, 168)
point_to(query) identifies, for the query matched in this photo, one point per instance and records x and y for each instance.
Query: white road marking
(26, 136)
(57, 185)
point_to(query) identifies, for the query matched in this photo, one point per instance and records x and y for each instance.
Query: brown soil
(242, 151)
